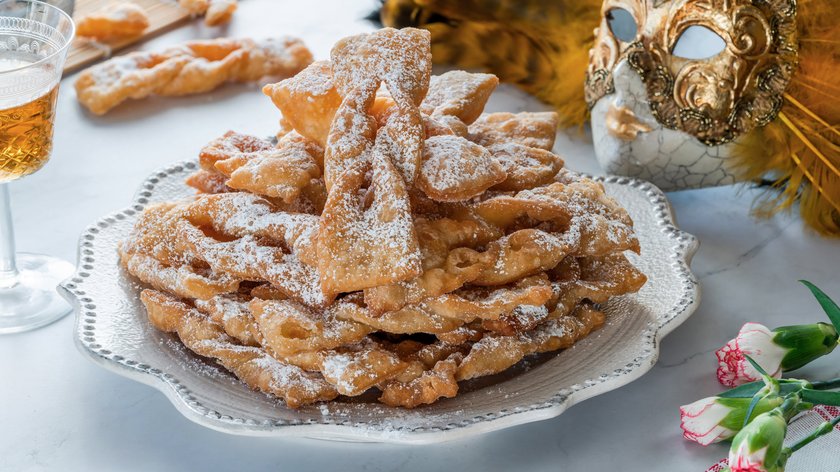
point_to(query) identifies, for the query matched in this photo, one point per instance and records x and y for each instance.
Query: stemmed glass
(34, 39)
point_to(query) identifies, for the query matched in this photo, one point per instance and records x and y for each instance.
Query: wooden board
(163, 16)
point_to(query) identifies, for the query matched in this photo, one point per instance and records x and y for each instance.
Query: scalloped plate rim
(355, 432)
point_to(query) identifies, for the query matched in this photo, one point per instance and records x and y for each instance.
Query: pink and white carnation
(754, 340)
(701, 421)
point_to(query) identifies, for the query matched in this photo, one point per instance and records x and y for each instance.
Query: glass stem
(8, 269)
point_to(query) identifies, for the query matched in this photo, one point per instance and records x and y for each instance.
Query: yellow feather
(801, 148)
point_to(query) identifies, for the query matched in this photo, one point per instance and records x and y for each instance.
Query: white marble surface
(58, 411)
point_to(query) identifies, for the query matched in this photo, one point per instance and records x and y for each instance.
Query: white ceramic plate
(112, 329)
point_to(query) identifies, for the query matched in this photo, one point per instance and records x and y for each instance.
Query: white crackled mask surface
(671, 159)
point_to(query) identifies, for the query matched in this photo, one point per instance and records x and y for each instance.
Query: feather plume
(801, 148)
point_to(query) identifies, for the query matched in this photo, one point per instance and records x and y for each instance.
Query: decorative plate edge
(182, 398)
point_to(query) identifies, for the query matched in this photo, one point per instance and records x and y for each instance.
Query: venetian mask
(675, 86)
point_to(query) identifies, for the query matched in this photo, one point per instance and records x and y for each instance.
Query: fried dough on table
(193, 67)
(392, 238)
(216, 12)
(118, 20)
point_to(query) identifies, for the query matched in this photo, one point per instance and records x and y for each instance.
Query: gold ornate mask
(715, 99)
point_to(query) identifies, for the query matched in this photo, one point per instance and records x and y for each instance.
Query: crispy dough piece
(195, 7)
(282, 172)
(537, 130)
(251, 364)
(542, 204)
(459, 94)
(289, 328)
(243, 214)
(523, 253)
(220, 12)
(432, 385)
(447, 312)
(207, 181)
(600, 224)
(194, 67)
(236, 234)
(525, 167)
(118, 20)
(401, 59)
(495, 353)
(489, 354)
(361, 247)
(454, 169)
(590, 219)
(308, 101)
(596, 279)
(229, 145)
(352, 370)
(232, 313)
(448, 262)
(216, 12)
(184, 281)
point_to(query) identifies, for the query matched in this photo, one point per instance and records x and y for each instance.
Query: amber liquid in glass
(26, 136)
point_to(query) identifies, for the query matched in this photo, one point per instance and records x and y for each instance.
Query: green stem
(827, 384)
(821, 430)
(791, 406)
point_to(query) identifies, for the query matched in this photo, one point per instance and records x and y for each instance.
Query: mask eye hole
(622, 24)
(698, 42)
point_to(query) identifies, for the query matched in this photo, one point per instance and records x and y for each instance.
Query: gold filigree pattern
(715, 99)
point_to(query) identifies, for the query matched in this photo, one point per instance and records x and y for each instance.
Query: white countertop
(59, 411)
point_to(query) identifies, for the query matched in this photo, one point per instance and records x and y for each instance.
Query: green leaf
(748, 390)
(756, 366)
(831, 309)
(757, 398)
(821, 397)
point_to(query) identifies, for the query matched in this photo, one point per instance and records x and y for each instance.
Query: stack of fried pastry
(392, 238)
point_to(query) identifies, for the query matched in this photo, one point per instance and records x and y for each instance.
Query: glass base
(34, 302)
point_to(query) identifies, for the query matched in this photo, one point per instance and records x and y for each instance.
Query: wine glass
(34, 39)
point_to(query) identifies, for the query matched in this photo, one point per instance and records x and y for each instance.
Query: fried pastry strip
(184, 281)
(216, 12)
(251, 364)
(118, 20)
(495, 353)
(194, 67)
